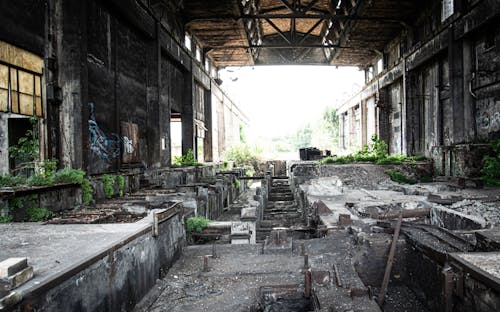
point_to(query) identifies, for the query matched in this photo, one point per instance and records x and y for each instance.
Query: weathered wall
(117, 278)
(440, 87)
(114, 72)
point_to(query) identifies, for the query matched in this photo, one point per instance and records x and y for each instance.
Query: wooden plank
(390, 261)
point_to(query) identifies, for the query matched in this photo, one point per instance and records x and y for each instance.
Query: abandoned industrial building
(120, 189)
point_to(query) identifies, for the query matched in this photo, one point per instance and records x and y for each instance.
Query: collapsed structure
(111, 81)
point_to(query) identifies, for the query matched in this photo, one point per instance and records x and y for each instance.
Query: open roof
(275, 32)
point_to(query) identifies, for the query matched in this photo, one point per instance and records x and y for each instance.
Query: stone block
(4, 288)
(345, 219)
(11, 266)
(20, 277)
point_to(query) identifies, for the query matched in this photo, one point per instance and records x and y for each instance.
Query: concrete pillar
(188, 131)
(455, 56)
(153, 101)
(207, 144)
(71, 42)
(468, 99)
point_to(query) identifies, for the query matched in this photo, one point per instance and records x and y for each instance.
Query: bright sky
(280, 99)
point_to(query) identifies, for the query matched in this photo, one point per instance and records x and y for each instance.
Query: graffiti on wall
(107, 146)
(489, 121)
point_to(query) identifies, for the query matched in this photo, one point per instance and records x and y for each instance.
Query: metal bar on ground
(390, 260)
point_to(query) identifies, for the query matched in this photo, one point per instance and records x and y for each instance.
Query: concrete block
(21, 277)
(345, 219)
(11, 266)
(4, 288)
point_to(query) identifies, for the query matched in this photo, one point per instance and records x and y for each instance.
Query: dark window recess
(397, 129)
(396, 115)
(17, 129)
(489, 42)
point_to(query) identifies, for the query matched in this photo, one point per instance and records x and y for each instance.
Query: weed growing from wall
(187, 160)
(398, 177)
(491, 166)
(87, 192)
(196, 224)
(108, 182)
(120, 181)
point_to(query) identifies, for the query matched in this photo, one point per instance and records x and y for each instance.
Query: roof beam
(323, 16)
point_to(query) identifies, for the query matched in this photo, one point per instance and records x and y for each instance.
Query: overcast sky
(280, 99)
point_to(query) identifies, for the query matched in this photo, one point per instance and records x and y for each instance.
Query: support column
(71, 42)
(207, 146)
(188, 133)
(153, 99)
(455, 55)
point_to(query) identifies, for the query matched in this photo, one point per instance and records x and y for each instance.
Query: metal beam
(324, 16)
(280, 46)
(288, 5)
(310, 31)
(282, 35)
(309, 6)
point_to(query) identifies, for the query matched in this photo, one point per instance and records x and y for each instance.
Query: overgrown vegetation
(87, 192)
(196, 224)
(377, 152)
(11, 181)
(120, 181)
(108, 184)
(243, 155)
(491, 166)
(226, 166)
(26, 151)
(69, 176)
(399, 177)
(6, 219)
(36, 214)
(187, 160)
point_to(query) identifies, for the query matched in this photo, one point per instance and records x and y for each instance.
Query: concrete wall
(439, 89)
(117, 278)
(113, 73)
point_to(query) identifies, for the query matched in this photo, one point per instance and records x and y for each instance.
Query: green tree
(303, 137)
(331, 122)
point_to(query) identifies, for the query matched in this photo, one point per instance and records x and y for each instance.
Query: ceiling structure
(272, 32)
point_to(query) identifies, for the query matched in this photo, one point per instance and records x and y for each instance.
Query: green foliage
(11, 181)
(69, 175)
(196, 224)
(87, 192)
(237, 184)
(15, 203)
(40, 180)
(242, 155)
(396, 159)
(225, 166)
(304, 137)
(187, 160)
(491, 166)
(48, 167)
(108, 182)
(243, 138)
(120, 181)
(328, 160)
(27, 149)
(36, 214)
(376, 153)
(6, 219)
(398, 177)
(379, 147)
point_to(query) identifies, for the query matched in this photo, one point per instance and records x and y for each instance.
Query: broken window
(187, 41)
(446, 9)
(175, 134)
(20, 91)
